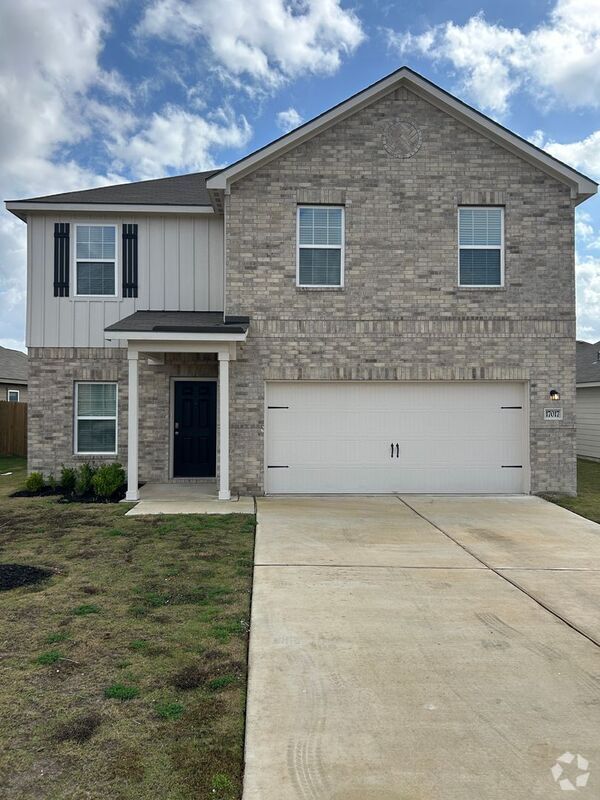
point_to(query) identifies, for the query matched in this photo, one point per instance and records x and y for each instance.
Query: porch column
(224, 493)
(132, 427)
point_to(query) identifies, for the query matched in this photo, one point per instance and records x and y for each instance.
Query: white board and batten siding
(588, 421)
(180, 268)
(383, 437)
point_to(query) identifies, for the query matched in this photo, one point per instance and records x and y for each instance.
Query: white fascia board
(581, 186)
(591, 385)
(158, 336)
(20, 208)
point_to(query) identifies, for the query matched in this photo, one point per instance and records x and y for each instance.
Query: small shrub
(51, 482)
(169, 710)
(68, 479)
(83, 482)
(35, 482)
(50, 657)
(118, 691)
(108, 480)
(84, 610)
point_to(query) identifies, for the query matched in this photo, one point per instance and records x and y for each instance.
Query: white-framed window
(96, 260)
(12, 395)
(480, 246)
(320, 237)
(95, 418)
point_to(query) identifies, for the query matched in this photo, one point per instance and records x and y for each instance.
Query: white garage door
(396, 437)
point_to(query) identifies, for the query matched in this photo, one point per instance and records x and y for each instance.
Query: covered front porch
(189, 435)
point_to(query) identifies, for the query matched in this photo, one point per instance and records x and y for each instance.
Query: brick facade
(53, 373)
(401, 315)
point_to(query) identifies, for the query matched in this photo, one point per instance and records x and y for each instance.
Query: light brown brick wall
(401, 315)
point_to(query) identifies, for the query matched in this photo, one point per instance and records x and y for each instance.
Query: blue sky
(110, 91)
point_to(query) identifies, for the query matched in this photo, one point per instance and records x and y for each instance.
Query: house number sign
(553, 413)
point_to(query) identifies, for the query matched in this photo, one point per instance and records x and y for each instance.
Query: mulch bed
(14, 575)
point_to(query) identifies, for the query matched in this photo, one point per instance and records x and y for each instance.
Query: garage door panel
(453, 437)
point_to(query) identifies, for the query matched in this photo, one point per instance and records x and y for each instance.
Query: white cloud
(559, 60)
(48, 62)
(55, 96)
(174, 139)
(267, 40)
(584, 155)
(288, 120)
(588, 298)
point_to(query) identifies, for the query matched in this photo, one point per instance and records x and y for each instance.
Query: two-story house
(381, 300)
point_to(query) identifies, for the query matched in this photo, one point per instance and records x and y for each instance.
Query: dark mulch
(47, 491)
(71, 498)
(14, 575)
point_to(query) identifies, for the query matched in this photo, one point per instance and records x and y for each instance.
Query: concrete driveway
(413, 648)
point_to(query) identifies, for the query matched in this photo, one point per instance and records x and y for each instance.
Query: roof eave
(581, 186)
(20, 208)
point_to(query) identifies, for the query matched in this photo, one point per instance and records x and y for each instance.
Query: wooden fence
(13, 429)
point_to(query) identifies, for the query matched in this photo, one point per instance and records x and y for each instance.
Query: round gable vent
(402, 139)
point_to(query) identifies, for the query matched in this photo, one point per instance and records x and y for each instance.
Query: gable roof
(13, 366)
(588, 362)
(581, 185)
(180, 190)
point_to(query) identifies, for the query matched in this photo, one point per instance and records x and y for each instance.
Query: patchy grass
(587, 502)
(143, 696)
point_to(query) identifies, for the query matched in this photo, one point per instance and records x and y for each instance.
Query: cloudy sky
(116, 90)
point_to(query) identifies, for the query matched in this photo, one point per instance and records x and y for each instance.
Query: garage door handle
(397, 450)
(397, 446)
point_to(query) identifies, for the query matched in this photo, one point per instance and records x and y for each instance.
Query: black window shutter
(130, 260)
(61, 259)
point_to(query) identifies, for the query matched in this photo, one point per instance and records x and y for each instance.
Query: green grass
(118, 691)
(49, 657)
(138, 691)
(587, 502)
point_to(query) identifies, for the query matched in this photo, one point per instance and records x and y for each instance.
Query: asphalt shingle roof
(13, 366)
(181, 190)
(588, 362)
(180, 322)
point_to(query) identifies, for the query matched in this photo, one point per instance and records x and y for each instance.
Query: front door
(195, 434)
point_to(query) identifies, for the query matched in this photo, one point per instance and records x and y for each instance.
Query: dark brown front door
(195, 434)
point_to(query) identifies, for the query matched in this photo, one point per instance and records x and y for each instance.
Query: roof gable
(581, 186)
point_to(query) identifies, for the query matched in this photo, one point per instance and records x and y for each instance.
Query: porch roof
(153, 324)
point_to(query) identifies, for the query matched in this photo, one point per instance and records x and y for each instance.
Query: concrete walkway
(187, 498)
(387, 662)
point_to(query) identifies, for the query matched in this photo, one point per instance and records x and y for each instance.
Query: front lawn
(587, 502)
(123, 674)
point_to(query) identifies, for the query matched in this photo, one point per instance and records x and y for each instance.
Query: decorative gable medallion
(402, 139)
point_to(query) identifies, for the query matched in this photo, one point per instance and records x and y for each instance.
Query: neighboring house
(381, 300)
(588, 400)
(13, 375)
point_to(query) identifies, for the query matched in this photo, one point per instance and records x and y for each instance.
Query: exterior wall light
(554, 394)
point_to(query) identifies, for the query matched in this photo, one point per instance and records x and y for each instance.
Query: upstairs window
(12, 395)
(481, 246)
(96, 418)
(96, 260)
(320, 246)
